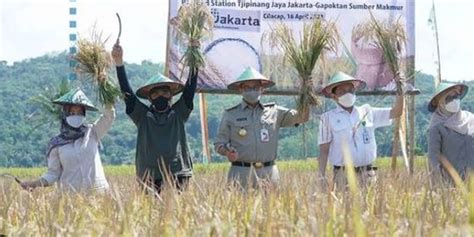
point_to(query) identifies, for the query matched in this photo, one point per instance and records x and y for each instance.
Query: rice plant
(399, 204)
(194, 23)
(302, 51)
(94, 62)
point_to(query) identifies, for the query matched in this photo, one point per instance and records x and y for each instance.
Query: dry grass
(302, 51)
(390, 36)
(398, 205)
(94, 63)
(194, 23)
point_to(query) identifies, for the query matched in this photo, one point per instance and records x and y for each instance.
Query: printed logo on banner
(236, 19)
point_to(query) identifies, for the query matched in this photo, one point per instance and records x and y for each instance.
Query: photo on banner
(240, 39)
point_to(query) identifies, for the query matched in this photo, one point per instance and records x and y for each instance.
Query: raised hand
(117, 54)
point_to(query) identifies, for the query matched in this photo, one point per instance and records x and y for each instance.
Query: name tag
(365, 136)
(264, 135)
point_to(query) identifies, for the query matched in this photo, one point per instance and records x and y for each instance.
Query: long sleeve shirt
(161, 140)
(77, 166)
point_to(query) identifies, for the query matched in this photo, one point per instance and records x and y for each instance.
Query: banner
(240, 39)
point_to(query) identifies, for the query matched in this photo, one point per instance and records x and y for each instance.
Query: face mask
(454, 106)
(252, 96)
(75, 121)
(161, 103)
(347, 100)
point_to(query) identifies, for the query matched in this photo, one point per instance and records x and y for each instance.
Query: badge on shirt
(264, 135)
(242, 132)
(365, 136)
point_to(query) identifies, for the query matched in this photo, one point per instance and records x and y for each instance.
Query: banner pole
(412, 133)
(204, 127)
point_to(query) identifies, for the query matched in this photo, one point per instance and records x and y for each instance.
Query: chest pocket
(340, 125)
(269, 120)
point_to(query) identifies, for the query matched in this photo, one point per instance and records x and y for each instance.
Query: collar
(339, 109)
(244, 105)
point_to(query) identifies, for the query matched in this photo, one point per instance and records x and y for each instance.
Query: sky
(31, 28)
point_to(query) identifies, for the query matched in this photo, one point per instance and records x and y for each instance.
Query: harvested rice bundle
(194, 23)
(390, 36)
(316, 39)
(93, 64)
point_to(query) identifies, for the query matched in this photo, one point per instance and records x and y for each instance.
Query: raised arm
(190, 89)
(290, 117)
(103, 124)
(129, 97)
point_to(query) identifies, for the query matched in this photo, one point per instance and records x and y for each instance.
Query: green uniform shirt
(161, 142)
(253, 132)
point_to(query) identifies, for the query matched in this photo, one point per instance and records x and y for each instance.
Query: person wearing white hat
(349, 130)
(451, 132)
(248, 133)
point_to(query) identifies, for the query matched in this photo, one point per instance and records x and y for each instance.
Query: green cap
(339, 78)
(158, 81)
(75, 97)
(442, 87)
(250, 74)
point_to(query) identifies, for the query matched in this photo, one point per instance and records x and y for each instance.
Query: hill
(22, 145)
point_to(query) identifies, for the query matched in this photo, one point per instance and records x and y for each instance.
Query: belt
(357, 169)
(257, 165)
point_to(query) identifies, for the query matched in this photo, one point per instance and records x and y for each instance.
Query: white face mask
(75, 121)
(347, 100)
(454, 106)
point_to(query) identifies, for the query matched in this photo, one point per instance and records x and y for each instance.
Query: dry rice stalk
(317, 38)
(194, 23)
(390, 36)
(93, 64)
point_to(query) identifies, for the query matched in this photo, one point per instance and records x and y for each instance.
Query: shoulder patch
(233, 107)
(271, 104)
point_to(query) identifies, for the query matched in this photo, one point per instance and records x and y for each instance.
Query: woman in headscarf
(73, 155)
(451, 131)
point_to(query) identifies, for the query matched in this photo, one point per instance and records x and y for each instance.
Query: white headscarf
(462, 121)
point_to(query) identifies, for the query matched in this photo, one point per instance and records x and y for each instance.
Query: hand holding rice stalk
(194, 23)
(93, 63)
(389, 36)
(317, 38)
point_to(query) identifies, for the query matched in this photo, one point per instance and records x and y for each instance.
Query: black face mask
(160, 103)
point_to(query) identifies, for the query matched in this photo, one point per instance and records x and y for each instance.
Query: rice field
(398, 205)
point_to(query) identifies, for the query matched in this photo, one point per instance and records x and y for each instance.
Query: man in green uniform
(162, 152)
(248, 133)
